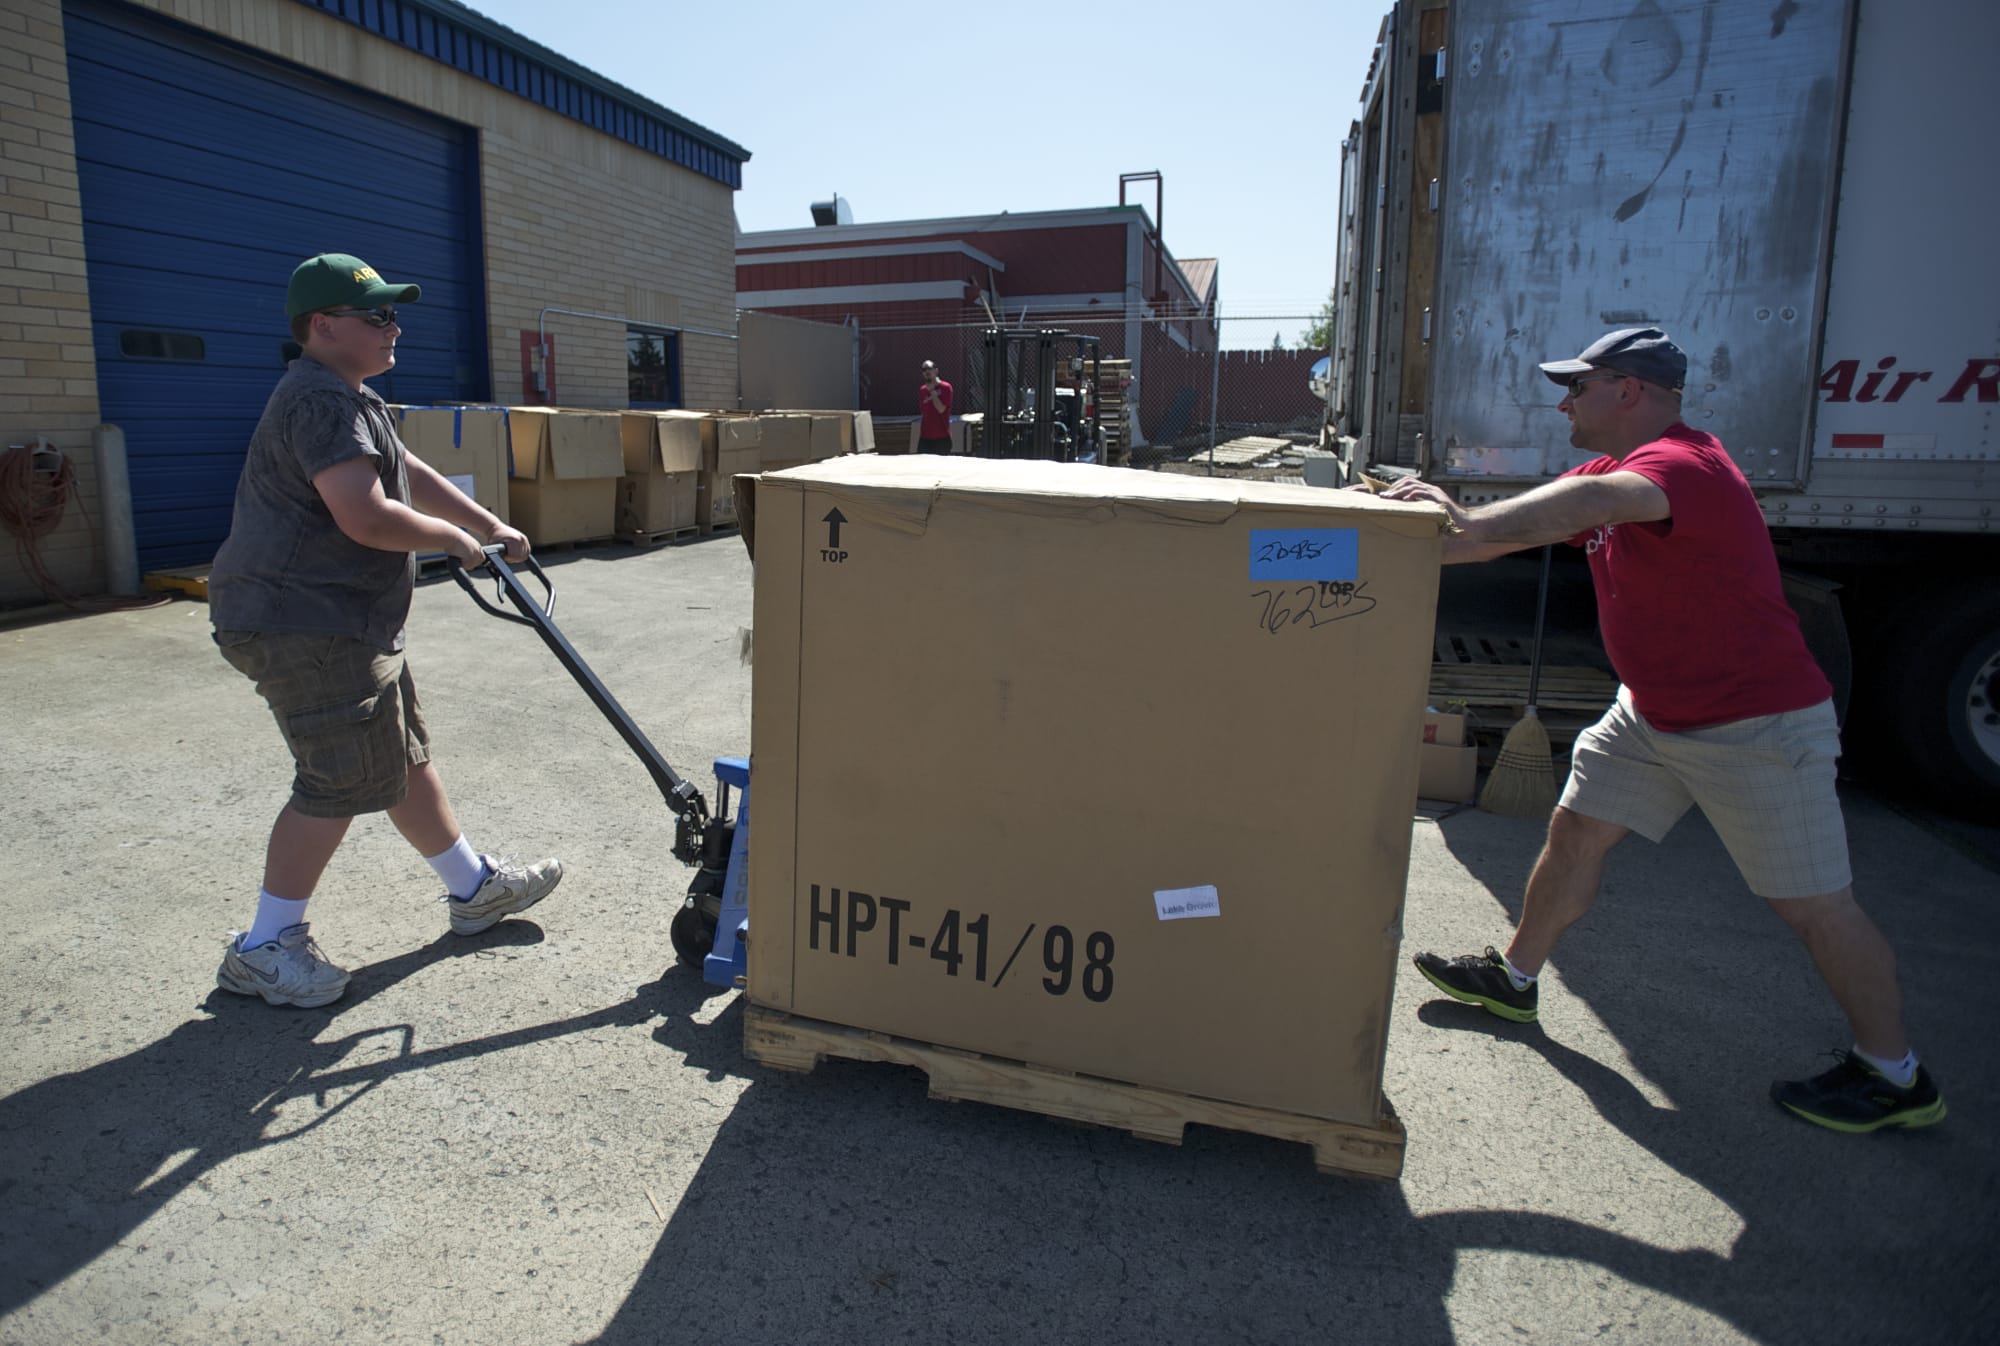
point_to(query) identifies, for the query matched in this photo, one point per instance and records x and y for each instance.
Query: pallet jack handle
(690, 809)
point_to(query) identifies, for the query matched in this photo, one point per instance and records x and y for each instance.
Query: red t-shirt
(1691, 608)
(935, 424)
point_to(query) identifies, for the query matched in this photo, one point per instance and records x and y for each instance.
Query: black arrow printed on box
(834, 519)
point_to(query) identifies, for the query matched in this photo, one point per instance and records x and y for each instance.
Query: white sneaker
(509, 888)
(292, 971)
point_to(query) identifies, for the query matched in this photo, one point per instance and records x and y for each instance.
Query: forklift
(1026, 414)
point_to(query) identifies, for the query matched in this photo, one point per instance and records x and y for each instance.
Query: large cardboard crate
(664, 452)
(738, 450)
(468, 445)
(1101, 771)
(566, 470)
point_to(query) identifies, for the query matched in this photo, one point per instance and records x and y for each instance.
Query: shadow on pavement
(1710, 997)
(846, 1205)
(88, 1156)
(852, 1207)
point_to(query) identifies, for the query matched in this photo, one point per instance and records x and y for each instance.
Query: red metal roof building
(927, 289)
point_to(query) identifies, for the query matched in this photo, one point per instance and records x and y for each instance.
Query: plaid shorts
(1766, 785)
(348, 712)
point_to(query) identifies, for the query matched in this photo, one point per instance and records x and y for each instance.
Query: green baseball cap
(336, 280)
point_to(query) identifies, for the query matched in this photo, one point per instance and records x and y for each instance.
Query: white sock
(1522, 981)
(460, 869)
(1899, 1071)
(274, 916)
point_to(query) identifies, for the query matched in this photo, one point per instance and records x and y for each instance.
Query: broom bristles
(1522, 783)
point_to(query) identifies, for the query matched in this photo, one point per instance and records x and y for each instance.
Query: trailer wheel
(1946, 701)
(693, 935)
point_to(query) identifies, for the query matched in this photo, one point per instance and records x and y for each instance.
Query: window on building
(141, 345)
(652, 368)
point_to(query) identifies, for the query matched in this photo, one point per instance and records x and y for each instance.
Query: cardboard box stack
(466, 444)
(1102, 771)
(738, 449)
(553, 472)
(661, 489)
(566, 470)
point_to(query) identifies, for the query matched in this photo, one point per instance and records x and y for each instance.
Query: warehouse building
(927, 289)
(165, 163)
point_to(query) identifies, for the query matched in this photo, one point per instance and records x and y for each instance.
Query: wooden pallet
(189, 580)
(1493, 671)
(1584, 689)
(1247, 450)
(711, 529)
(662, 536)
(790, 1042)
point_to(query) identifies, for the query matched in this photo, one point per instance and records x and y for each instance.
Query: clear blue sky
(916, 111)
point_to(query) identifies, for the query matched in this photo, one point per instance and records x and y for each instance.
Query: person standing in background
(934, 406)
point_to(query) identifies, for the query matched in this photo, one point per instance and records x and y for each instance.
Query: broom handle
(1541, 613)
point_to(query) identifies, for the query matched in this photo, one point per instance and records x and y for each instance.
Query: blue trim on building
(488, 51)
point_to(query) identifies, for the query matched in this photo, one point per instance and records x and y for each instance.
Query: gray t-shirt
(286, 566)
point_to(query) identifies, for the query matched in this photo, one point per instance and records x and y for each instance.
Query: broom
(1523, 781)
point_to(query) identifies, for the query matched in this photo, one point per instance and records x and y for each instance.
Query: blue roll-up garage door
(207, 173)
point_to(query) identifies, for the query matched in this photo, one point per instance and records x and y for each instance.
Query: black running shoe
(1481, 979)
(1854, 1096)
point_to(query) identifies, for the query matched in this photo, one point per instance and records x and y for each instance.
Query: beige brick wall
(48, 374)
(573, 218)
(557, 235)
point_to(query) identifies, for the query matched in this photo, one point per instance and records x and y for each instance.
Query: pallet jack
(715, 911)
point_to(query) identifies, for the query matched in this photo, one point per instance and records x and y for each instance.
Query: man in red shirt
(934, 406)
(1721, 705)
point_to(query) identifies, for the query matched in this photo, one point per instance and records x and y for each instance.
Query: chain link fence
(1191, 393)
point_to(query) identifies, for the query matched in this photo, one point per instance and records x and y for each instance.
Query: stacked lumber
(1484, 671)
(1247, 450)
(895, 436)
(1113, 378)
(1560, 688)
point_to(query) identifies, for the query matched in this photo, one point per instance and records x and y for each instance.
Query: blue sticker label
(1305, 554)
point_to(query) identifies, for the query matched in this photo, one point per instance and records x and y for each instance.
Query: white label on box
(1178, 904)
(463, 481)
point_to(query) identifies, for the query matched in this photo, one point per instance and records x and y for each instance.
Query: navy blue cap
(1643, 352)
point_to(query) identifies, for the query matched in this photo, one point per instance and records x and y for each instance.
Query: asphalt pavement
(547, 1133)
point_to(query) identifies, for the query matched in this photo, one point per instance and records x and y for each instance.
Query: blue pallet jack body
(727, 963)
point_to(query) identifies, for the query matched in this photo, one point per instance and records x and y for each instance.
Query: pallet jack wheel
(692, 933)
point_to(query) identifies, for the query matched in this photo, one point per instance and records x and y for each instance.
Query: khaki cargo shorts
(1766, 785)
(348, 712)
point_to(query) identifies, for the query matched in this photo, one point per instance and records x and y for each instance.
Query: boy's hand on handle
(466, 550)
(514, 540)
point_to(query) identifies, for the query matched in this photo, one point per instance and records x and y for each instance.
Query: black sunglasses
(1582, 381)
(374, 317)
